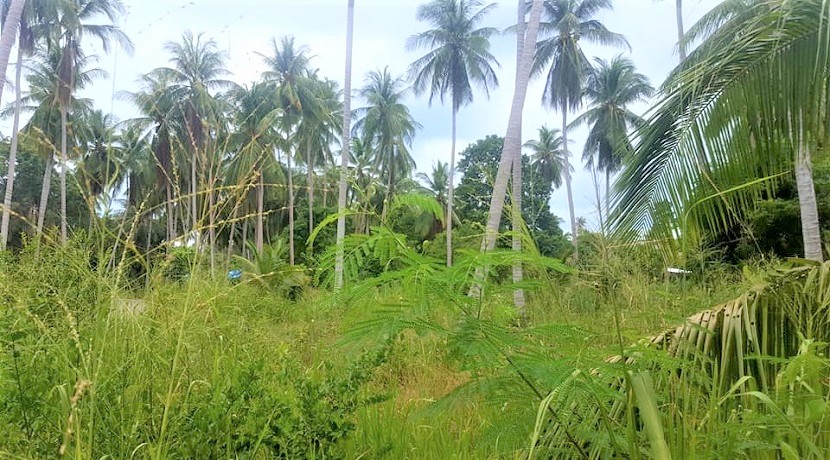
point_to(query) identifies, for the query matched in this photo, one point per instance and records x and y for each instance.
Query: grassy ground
(211, 369)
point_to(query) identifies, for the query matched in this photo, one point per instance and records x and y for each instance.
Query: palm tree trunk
(44, 193)
(607, 194)
(193, 201)
(233, 231)
(597, 185)
(211, 219)
(518, 271)
(259, 241)
(344, 153)
(245, 237)
(290, 210)
(7, 198)
(390, 183)
(9, 35)
(310, 180)
(171, 216)
(512, 140)
(63, 174)
(451, 189)
(810, 229)
(680, 31)
(574, 235)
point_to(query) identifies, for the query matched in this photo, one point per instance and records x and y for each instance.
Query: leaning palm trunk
(344, 154)
(512, 141)
(9, 35)
(63, 174)
(44, 192)
(451, 188)
(810, 230)
(7, 198)
(518, 272)
(574, 229)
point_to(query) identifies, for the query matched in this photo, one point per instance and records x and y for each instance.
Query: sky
(244, 28)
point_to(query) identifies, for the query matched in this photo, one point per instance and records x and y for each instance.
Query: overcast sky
(243, 27)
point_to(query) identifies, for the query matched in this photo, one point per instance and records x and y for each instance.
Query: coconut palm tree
(71, 26)
(511, 149)
(98, 166)
(752, 100)
(437, 182)
(548, 156)
(611, 87)
(197, 70)
(567, 23)
(254, 141)
(45, 126)
(345, 143)
(27, 37)
(387, 125)
(458, 58)
(295, 93)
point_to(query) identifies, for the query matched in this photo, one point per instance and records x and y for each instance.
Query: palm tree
(458, 58)
(288, 70)
(386, 124)
(254, 140)
(511, 149)
(25, 47)
(198, 68)
(71, 26)
(548, 156)
(566, 23)
(45, 125)
(762, 77)
(345, 143)
(98, 163)
(437, 181)
(611, 88)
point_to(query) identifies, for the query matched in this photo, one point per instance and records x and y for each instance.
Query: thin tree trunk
(574, 235)
(234, 220)
(607, 194)
(290, 210)
(171, 211)
(810, 229)
(245, 237)
(512, 140)
(9, 36)
(344, 153)
(597, 186)
(259, 241)
(63, 174)
(451, 189)
(518, 272)
(310, 180)
(390, 183)
(193, 200)
(7, 198)
(680, 31)
(211, 219)
(44, 193)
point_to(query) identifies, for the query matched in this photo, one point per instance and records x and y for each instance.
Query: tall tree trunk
(451, 188)
(194, 202)
(44, 193)
(607, 194)
(63, 174)
(512, 140)
(344, 153)
(574, 234)
(245, 237)
(597, 185)
(259, 241)
(231, 234)
(211, 219)
(680, 31)
(290, 210)
(518, 271)
(387, 200)
(8, 37)
(171, 211)
(7, 198)
(310, 180)
(810, 229)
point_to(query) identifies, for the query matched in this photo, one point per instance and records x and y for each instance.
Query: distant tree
(459, 57)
